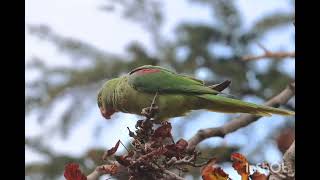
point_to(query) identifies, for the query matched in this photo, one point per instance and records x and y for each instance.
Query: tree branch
(289, 158)
(269, 54)
(185, 161)
(96, 173)
(240, 122)
(288, 170)
(278, 55)
(171, 175)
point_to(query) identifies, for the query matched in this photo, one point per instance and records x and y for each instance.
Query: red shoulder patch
(146, 71)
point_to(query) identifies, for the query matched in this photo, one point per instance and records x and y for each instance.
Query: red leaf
(72, 172)
(213, 172)
(258, 176)
(111, 151)
(171, 151)
(241, 165)
(181, 144)
(174, 150)
(123, 160)
(163, 131)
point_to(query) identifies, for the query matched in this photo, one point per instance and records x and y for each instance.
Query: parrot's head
(105, 98)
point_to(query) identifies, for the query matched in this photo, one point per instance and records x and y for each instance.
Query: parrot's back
(175, 98)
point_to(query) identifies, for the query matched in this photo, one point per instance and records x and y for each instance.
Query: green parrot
(176, 95)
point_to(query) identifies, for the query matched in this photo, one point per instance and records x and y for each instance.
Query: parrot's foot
(149, 112)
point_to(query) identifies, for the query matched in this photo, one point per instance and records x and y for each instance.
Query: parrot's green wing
(154, 79)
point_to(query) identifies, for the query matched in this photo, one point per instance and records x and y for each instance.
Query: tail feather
(229, 105)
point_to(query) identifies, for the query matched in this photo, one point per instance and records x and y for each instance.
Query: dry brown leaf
(241, 165)
(111, 151)
(213, 172)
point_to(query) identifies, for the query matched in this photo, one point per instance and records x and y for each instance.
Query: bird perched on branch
(174, 95)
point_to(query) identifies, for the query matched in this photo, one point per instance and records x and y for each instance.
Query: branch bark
(268, 54)
(173, 176)
(289, 158)
(242, 121)
(288, 170)
(95, 174)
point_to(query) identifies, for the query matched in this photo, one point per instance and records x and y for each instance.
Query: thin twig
(154, 99)
(124, 146)
(263, 48)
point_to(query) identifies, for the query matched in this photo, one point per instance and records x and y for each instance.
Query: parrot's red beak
(106, 113)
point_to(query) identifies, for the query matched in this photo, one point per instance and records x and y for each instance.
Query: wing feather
(154, 79)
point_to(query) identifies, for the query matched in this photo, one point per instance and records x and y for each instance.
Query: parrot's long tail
(229, 105)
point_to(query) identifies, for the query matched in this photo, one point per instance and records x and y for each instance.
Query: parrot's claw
(149, 112)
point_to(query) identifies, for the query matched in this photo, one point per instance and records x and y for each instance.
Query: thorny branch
(269, 54)
(240, 122)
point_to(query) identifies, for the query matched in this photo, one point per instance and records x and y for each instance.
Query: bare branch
(240, 122)
(278, 55)
(185, 161)
(171, 175)
(94, 175)
(268, 54)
